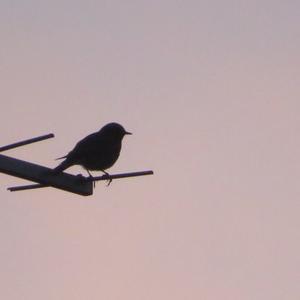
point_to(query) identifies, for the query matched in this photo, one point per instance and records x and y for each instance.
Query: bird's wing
(90, 144)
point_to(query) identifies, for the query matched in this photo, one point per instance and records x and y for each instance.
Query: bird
(96, 152)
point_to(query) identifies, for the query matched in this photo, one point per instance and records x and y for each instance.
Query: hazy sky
(210, 90)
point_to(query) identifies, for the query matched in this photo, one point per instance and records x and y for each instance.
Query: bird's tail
(61, 157)
(62, 166)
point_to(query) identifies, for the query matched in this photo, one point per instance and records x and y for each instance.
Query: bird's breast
(102, 158)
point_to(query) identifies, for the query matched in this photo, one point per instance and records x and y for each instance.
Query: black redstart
(98, 151)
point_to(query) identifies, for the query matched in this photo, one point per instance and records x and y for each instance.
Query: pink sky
(210, 90)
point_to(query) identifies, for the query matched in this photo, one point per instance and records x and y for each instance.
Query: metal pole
(26, 142)
(84, 179)
(117, 176)
(43, 175)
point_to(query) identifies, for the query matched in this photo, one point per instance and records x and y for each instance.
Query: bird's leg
(109, 179)
(92, 178)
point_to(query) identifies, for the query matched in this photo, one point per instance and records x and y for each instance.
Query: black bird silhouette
(98, 151)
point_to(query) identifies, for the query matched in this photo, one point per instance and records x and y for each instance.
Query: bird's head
(114, 130)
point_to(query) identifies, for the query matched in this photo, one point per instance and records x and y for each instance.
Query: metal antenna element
(26, 142)
(84, 179)
(45, 177)
(118, 176)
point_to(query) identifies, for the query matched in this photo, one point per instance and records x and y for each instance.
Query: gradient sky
(210, 90)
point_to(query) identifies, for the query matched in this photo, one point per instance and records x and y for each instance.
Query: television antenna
(44, 177)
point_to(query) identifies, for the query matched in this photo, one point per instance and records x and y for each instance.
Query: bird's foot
(91, 178)
(108, 179)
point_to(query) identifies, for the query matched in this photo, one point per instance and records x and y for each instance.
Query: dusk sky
(211, 92)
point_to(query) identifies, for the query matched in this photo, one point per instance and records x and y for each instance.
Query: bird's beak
(126, 132)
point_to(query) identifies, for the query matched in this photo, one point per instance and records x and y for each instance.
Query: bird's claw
(91, 178)
(106, 177)
(109, 181)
